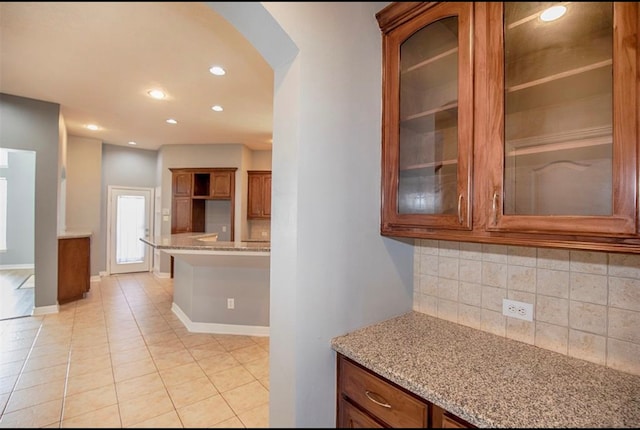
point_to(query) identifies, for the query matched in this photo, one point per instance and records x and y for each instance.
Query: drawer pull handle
(381, 402)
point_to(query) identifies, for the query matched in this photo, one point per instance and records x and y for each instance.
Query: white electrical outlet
(231, 304)
(520, 310)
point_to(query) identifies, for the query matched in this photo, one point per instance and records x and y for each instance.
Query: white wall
(331, 271)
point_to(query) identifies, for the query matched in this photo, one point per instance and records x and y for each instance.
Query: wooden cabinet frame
(619, 232)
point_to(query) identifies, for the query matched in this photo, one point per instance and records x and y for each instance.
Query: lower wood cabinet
(74, 268)
(368, 400)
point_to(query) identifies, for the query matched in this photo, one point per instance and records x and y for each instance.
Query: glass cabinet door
(427, 140)
(565, 97)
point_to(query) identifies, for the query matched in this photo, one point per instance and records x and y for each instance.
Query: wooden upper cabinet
(561, 110)
(222, 184)
(182, 182)
(427, 141)
(502, 127)
(259, 196)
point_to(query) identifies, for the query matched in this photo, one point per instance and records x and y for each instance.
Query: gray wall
(331, 271)
(21, 187)
(125, 167)
(33, 125)
(84, 193)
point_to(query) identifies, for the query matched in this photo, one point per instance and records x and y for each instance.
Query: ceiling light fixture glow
(171, 121)
(553, 13)
(217, 108)
(131, 142)
(156, 94)
(217, 70)
(92, 127)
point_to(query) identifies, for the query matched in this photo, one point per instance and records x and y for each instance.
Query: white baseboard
(213, 328)
(44, 310)
(164, 275)
(102, 274)
(95, 278)
(16, 266)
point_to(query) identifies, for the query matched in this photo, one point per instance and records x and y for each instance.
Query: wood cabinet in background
(259, 199)
(502, 127)
(74, 268)
(191, 189)
(368, 400)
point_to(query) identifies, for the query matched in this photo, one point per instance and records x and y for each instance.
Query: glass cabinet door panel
(428, 150)
(562, 128)
(558, 108)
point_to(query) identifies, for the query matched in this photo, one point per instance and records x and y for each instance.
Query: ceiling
(99, 59)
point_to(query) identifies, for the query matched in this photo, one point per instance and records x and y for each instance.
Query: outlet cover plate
(520, 310)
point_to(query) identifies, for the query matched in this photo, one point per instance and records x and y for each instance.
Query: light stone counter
(219, 287)
(491, 381)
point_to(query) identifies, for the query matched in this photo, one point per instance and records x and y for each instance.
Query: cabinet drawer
(380, 397)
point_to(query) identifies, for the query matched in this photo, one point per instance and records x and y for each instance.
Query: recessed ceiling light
(553, 13)
(217, 108)
(92, 127)
(217, 70)
(156, 94)
(131, 142)
(172, 121)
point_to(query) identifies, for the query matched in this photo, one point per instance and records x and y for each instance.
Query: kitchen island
(219, 287)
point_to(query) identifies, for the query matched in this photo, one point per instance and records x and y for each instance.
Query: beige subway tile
(521, 278)
(521, 330)
(492, 298)
(495, 253)
(588, 288)
(447, 289)
(448, 267)
(624, 325)
(553, 259)
(494, 274)
(429, 284)
(588, 317)
(588, 262)
(624, 265)
(552, 337)
(429, 305)
(493, 322)
(429, 246)
(448, 248)
(470, 293)
(470, 271)
(624, 293)
(429, 264)
(623, 356)
(471, 316)
(448, 310)
(471, 251)
(522, 256)
(587, 346)
(552, 283)
(552, 310)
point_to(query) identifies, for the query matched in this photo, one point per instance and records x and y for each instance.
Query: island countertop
(200, 242)
(492, 381)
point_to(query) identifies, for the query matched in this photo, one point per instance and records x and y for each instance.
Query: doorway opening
(129, 219)
(17, 232)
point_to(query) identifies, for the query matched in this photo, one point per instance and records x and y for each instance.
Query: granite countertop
(492, 381)
(203, 242)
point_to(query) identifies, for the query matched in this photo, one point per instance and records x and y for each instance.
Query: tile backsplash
(585, 304)
(259, 229)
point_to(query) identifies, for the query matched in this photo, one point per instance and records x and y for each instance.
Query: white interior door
(130, 218)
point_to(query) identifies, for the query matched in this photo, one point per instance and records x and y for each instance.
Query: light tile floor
(121, 358)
